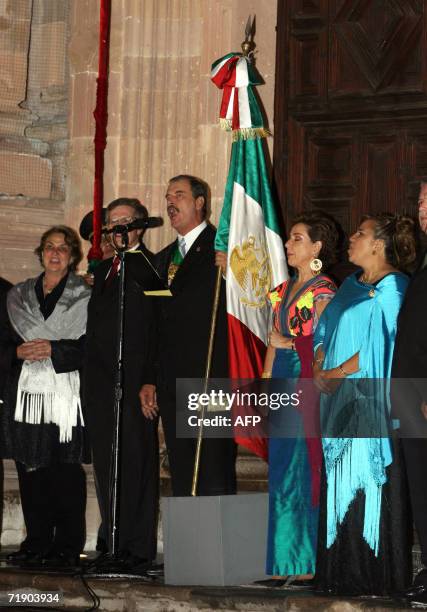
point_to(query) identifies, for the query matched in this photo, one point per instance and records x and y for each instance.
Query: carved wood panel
(379, 43)
(350, 106)
(359, 170)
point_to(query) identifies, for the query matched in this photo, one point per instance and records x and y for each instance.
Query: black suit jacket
(101, 337)
(184, 322)
(184, 319)
(409, 369)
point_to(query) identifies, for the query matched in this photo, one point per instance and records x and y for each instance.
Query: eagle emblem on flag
(250, 265)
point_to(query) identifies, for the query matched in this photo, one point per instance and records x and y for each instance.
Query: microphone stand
(118, 404)
(109, 564)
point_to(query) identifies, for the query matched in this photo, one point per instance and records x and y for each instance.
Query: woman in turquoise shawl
(294, 462)
(364, 544)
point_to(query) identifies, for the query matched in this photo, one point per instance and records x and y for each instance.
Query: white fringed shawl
(44, 395)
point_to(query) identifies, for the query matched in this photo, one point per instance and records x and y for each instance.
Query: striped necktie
(113, 270)
(182, 246)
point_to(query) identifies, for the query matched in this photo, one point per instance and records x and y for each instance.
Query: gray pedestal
(217, 540)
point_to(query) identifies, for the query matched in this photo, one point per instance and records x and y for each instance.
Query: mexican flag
(248, 229)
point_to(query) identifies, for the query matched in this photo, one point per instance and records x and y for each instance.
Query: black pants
(53, 503)
(139, 482)
(415, 453)
(217, 472)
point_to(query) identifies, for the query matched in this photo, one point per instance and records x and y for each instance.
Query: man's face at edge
(422, 207)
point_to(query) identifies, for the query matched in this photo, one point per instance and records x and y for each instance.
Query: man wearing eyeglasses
(139, 444)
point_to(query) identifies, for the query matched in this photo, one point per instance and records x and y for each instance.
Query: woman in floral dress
(294, 459)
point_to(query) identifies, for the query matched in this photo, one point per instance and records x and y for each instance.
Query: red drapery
(101, 119)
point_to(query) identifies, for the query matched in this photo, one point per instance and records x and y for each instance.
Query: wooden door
(350, 121)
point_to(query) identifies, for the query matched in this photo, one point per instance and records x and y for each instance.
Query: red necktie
(113, 270)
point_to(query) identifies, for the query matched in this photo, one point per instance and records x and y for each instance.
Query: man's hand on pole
(221, 261)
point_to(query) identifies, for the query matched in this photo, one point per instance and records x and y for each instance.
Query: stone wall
(33, 127)
(163, 108)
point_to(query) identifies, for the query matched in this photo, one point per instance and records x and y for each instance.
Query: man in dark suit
(409, 398)
(182, 338)
(139, 442)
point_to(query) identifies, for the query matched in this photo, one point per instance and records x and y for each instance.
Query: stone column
(83, 70)
(33, 132)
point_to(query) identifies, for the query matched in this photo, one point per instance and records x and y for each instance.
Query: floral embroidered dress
(293, 516)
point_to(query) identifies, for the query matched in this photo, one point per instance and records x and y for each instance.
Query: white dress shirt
(192, 236)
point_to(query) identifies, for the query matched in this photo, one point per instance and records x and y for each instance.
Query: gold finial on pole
(248, 44)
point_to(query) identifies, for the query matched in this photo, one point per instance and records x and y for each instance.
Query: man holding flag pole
(182, 340)
(249, 232)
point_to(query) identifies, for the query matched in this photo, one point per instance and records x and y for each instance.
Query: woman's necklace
(364, 280)
(364, 277)
(46, 288)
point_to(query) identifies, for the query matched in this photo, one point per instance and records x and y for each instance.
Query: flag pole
(207, 376)
(247, 48)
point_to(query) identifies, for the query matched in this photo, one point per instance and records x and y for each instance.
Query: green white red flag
(248, 229)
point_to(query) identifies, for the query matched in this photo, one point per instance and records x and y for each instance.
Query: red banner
(101, 119)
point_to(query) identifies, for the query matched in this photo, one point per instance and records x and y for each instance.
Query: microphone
(146, 223)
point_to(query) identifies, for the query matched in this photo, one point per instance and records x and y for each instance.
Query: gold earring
(316, 265)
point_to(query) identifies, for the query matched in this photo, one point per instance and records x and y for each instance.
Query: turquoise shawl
(362, 319)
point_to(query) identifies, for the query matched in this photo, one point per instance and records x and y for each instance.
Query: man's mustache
(172, 208)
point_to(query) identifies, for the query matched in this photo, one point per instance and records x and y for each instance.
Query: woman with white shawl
(41, 419)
